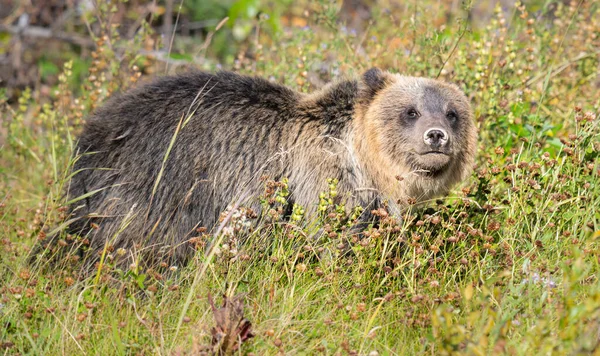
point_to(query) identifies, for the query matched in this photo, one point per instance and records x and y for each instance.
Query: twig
(210, 35)
(201, 24)
(163, 56)
(556, 70)
(414, 24)
(41, 32)
(172, 37)
(168, 18)
(462, 34)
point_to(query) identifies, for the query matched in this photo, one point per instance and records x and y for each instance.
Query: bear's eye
(412, 113)
(452, 115)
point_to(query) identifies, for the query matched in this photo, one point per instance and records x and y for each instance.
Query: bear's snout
(435, 137)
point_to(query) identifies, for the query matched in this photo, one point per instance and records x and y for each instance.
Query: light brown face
(424, 124)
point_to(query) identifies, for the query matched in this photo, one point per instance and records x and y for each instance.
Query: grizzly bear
(159, 161)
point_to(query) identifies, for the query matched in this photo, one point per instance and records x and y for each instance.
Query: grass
(507, 263)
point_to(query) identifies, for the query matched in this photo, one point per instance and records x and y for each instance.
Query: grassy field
(507, 263)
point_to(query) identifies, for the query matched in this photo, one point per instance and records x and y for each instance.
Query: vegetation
(508, 263)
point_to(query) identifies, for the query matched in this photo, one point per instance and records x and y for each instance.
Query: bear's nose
(435, 137)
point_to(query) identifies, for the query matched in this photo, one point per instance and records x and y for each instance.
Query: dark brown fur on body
(233, 129)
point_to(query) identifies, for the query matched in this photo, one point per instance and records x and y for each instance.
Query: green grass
(507, 263)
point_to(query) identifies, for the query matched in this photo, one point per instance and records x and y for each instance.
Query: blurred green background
(38, 36)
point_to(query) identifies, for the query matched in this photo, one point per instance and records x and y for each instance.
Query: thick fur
(170, 156)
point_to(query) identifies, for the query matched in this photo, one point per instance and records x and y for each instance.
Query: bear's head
(418, 131)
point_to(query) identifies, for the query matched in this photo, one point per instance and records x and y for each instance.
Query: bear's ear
(371, 82)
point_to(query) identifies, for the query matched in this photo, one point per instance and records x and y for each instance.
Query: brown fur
(384, 169)
(229, 130)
